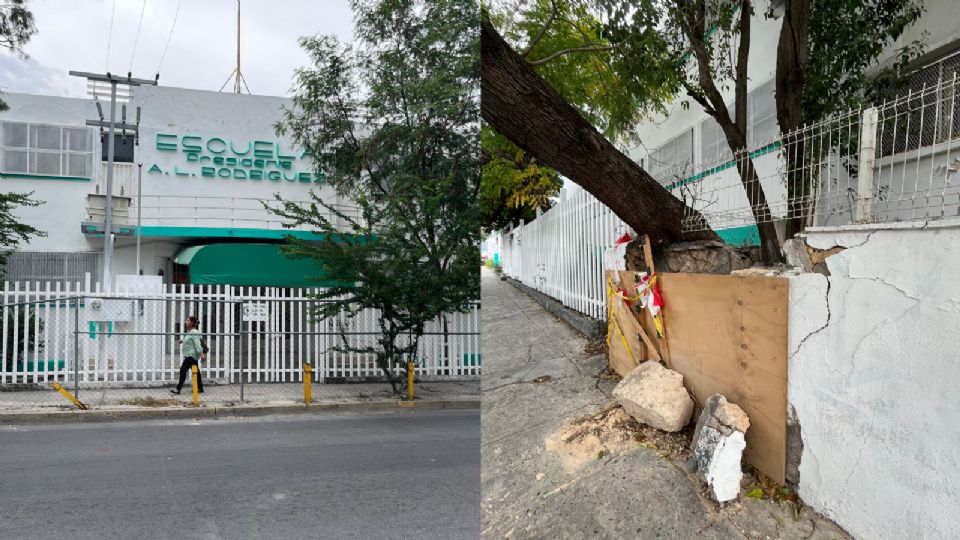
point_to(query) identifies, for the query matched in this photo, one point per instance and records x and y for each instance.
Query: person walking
(191, 349)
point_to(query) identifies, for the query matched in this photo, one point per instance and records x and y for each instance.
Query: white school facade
(205, 161)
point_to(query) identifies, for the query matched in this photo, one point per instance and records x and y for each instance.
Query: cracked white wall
(874, 372)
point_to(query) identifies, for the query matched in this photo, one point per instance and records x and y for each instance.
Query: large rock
(718, 444)
(655, 396)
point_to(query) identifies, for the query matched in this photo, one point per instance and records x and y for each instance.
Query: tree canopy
(393, 123)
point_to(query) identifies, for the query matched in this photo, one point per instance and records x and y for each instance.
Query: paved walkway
(635, 494)
(47, 399)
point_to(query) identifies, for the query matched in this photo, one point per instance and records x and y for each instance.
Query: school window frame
(50, 150)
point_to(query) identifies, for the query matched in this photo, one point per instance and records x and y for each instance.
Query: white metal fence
(73, 333)
(561, 252)
(897, 161)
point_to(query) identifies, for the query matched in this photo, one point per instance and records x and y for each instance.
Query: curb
(589, 327)
(109, 415)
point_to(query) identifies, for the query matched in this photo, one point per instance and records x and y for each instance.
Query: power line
(113, 11)
(143, 7)
(174, 25)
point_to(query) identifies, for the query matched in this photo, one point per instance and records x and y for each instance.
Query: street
(361, 475)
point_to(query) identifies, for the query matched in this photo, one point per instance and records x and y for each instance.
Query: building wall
(873, 377)
(938, 24)
(181, 205)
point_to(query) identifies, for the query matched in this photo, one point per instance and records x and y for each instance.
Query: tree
(512, 184)
(818, 75)
(16, 29)
(528, 111)
(12, 232)
(394, 125)
(562, 41)
(710, 42)
(700, 48)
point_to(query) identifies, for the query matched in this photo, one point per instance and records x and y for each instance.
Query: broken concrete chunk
(718, 460)
(655, 396)
(718, 444)
(796, 255)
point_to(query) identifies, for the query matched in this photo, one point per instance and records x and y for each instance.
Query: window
(672, 158)
(762, 126)
(46, 150)
(926, 110)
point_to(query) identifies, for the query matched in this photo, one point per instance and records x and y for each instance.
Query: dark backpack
(203, 346)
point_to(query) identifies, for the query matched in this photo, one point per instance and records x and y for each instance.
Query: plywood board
(728, 335)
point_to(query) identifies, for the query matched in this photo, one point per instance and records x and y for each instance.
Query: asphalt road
(409, 474)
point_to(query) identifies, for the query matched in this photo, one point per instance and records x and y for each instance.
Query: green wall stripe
(227, 232)
(723, 166)
(748, 235)
(45, 177)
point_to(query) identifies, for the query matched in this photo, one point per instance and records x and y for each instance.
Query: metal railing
(561, 252)
(210, 211)
(892, 162)
(79, 336)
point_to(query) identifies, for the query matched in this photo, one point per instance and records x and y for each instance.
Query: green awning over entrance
(257, 265)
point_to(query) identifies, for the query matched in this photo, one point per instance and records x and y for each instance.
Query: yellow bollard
(196, 394)
(63, 391)
(307, 383)
(410, 381)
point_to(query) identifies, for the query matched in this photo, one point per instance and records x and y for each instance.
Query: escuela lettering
(220, 157)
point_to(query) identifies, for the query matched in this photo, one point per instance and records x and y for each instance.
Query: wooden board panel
(621, 360)
(728, 335)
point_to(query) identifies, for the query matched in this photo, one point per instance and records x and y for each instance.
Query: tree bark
(792, 58)
(524, 108)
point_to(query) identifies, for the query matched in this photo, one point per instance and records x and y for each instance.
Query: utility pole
(112, 125)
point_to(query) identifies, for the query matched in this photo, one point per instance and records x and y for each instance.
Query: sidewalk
(537, 377)
(222, 399)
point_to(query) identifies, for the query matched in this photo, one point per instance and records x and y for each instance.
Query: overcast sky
(75, 34)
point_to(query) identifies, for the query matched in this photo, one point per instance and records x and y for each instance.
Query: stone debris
(583, 439)
(655, 396)
(718, 444)
(796, 254)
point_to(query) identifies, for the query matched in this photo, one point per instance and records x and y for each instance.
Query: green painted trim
(723, 166)
(227, 232)
(46, 177)
(748, 235)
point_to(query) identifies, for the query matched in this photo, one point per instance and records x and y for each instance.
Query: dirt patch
(150, 402)
(611, 431)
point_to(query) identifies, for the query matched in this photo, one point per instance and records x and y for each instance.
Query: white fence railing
(897, 161)
(207, 211)
(75, 333)
(561, 252)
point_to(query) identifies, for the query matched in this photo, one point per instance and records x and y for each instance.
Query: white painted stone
(655, 396)
(718, 457)
(872, 378)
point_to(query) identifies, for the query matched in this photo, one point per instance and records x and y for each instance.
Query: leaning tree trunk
(792, 57)
(524, 108)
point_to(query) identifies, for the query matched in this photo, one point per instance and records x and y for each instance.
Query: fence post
(868, 157)
(243, 371)
(76, 347)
